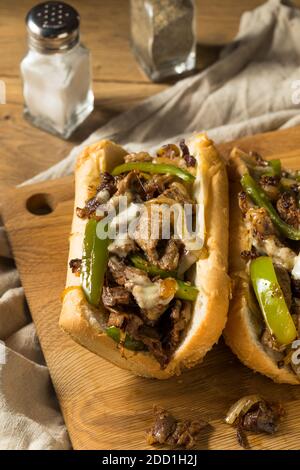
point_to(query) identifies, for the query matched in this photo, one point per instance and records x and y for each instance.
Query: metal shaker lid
(52, 27)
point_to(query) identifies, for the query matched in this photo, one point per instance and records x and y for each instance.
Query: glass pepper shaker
(56, 70)
(163, 36)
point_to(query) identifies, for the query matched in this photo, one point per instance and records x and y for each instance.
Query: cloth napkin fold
(248, 90)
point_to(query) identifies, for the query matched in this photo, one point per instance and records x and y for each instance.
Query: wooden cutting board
(105, 407)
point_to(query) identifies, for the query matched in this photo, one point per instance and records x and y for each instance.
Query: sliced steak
(260, 417)
(75, 265)
(186, 432)
(248, 255)
(89, 209)
(244, 203)
(156, 349)
(179, 193)
(124, 275)
(117, 270)
(180, 316)
(296, 288)
(133, 325)
(157, 185)
(128, 322)
(296, 313)
(176, 433)
(135, 277)
(127, 276)
(284, 280)
(108, 183)
(116, 318)
(133, 183)
(263, 417)
(148, 235)
(170, 258)
(149, 336)
(288, 210)
(112, 296)
(189, 159)
(270, 342)
(261, 224)
(164, 426)
(270, 185)
(148, 231)
(138, 157)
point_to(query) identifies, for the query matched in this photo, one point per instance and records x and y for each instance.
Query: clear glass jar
(56, 71)
(57, 89)
(163, 36)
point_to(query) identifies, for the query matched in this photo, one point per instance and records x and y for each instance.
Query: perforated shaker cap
(52, 27)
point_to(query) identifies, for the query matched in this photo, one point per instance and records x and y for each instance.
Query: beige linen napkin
(248, 90)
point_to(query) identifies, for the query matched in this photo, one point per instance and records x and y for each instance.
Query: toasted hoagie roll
(263, 327)
(152, 304)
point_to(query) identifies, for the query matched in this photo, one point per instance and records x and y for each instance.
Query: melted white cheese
(147, 297)
(121, 246)
(281, 255)
(296, 268)
(103, 196)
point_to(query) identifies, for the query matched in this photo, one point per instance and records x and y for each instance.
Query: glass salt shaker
(163, 36)
(56, 70)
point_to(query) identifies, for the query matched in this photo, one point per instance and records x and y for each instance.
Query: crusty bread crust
(241, 329)
(84, 323)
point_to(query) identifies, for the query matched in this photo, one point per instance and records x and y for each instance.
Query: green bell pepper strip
(287, 183)
(148, 167)
(184, 290)
(271, 300)
(93, 267)
(129, 343)
(94, 261)
(260, 198)
(144, 265)
(274, 168)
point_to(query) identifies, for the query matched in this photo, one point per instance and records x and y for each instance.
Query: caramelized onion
(241, 407)
(162, 200)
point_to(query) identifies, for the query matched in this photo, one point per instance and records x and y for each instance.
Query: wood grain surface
(117, 80)
(106, 407)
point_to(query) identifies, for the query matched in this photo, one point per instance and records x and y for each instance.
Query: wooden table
(118, 82)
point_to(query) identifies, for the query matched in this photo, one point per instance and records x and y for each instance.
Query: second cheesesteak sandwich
(263, 326)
